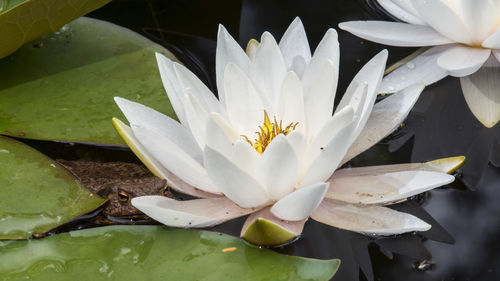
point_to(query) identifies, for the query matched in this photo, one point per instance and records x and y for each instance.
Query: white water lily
(466, 39)
(283, 174)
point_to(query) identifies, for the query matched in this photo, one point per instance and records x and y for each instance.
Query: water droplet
(410, 65)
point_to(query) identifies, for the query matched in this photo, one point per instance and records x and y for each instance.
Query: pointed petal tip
(448, 165)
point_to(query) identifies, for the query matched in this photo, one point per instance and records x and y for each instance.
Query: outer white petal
(482, 94)
(198, 90)
(386, 116)
(267, 69)
(291, 105)
(191, 213)
(216, 137)
(300, 204)
(444, 19)
(404, 13)
(174, 159)
(461, 60)
(395, 33)
(371, 74)
(235, 183)
(153, 165)
(153, 120)
(172, 86)
(493, 41)
(245, 157)
(422, 69)
(320, 98)
(243, 105)
(480, 17)
(384, 188)
(278, 168)
(323, 166)
(196, 117)
(328, 49)
(295, 47)
(367, 219)
(227, 51)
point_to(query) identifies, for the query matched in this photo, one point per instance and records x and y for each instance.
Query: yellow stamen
(268, 131)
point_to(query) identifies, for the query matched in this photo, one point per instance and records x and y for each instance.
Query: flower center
(268, 131)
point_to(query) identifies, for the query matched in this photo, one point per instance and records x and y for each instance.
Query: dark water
(464, 241)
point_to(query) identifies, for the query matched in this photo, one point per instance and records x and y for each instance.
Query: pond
(463, 243)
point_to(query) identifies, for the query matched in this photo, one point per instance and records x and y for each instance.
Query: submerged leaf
(37, 193)
(16, 28)
(61, 87)
(152, 253)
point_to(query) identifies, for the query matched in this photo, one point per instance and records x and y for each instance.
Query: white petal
(493, 41)
(482, 94)
(217, 138)
(443, 19)
(153, 120)
(386, 117)
(243, 105)
(278, 168)
(320, 98)
(235, 183)
(172, 86)
(198, 90)
(245, 157)
(191, 213)
(371, 75)
(291, 105)
(153, 165)
(367, 219)
(480, 17)
(328, 49)
(196, 117)
(294, 44)
(231, 133)
(174, 159)
(461, 61)
(300, 204)
(384, 188)
(395, 33)
(227, 51)
(403, 12)
(323, 166)
(298, 141)
(422, 69)
(267, 69)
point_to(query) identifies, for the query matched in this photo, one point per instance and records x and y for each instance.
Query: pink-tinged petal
(367, 219)
(384, 188)
(198, 90)
(328, 160)
(371, 75)
(227, 51)
(386, 116)
(461, 60)
(402, 9)
(267, 69)
(172, 158)
(154, 166)
(422, 69)
(300, 204)
(153, 120)
(264, 229)
(295, 47)
(172, 86)
(191, 213)
(395, 33)
(482, 94)
(278, 168)
(235, 183)
(444, 19)
(480, 17)
(320, 98)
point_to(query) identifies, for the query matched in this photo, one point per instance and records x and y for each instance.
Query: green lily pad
(24, 20)
(37, 193)
(152, 253)
(61, 87)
